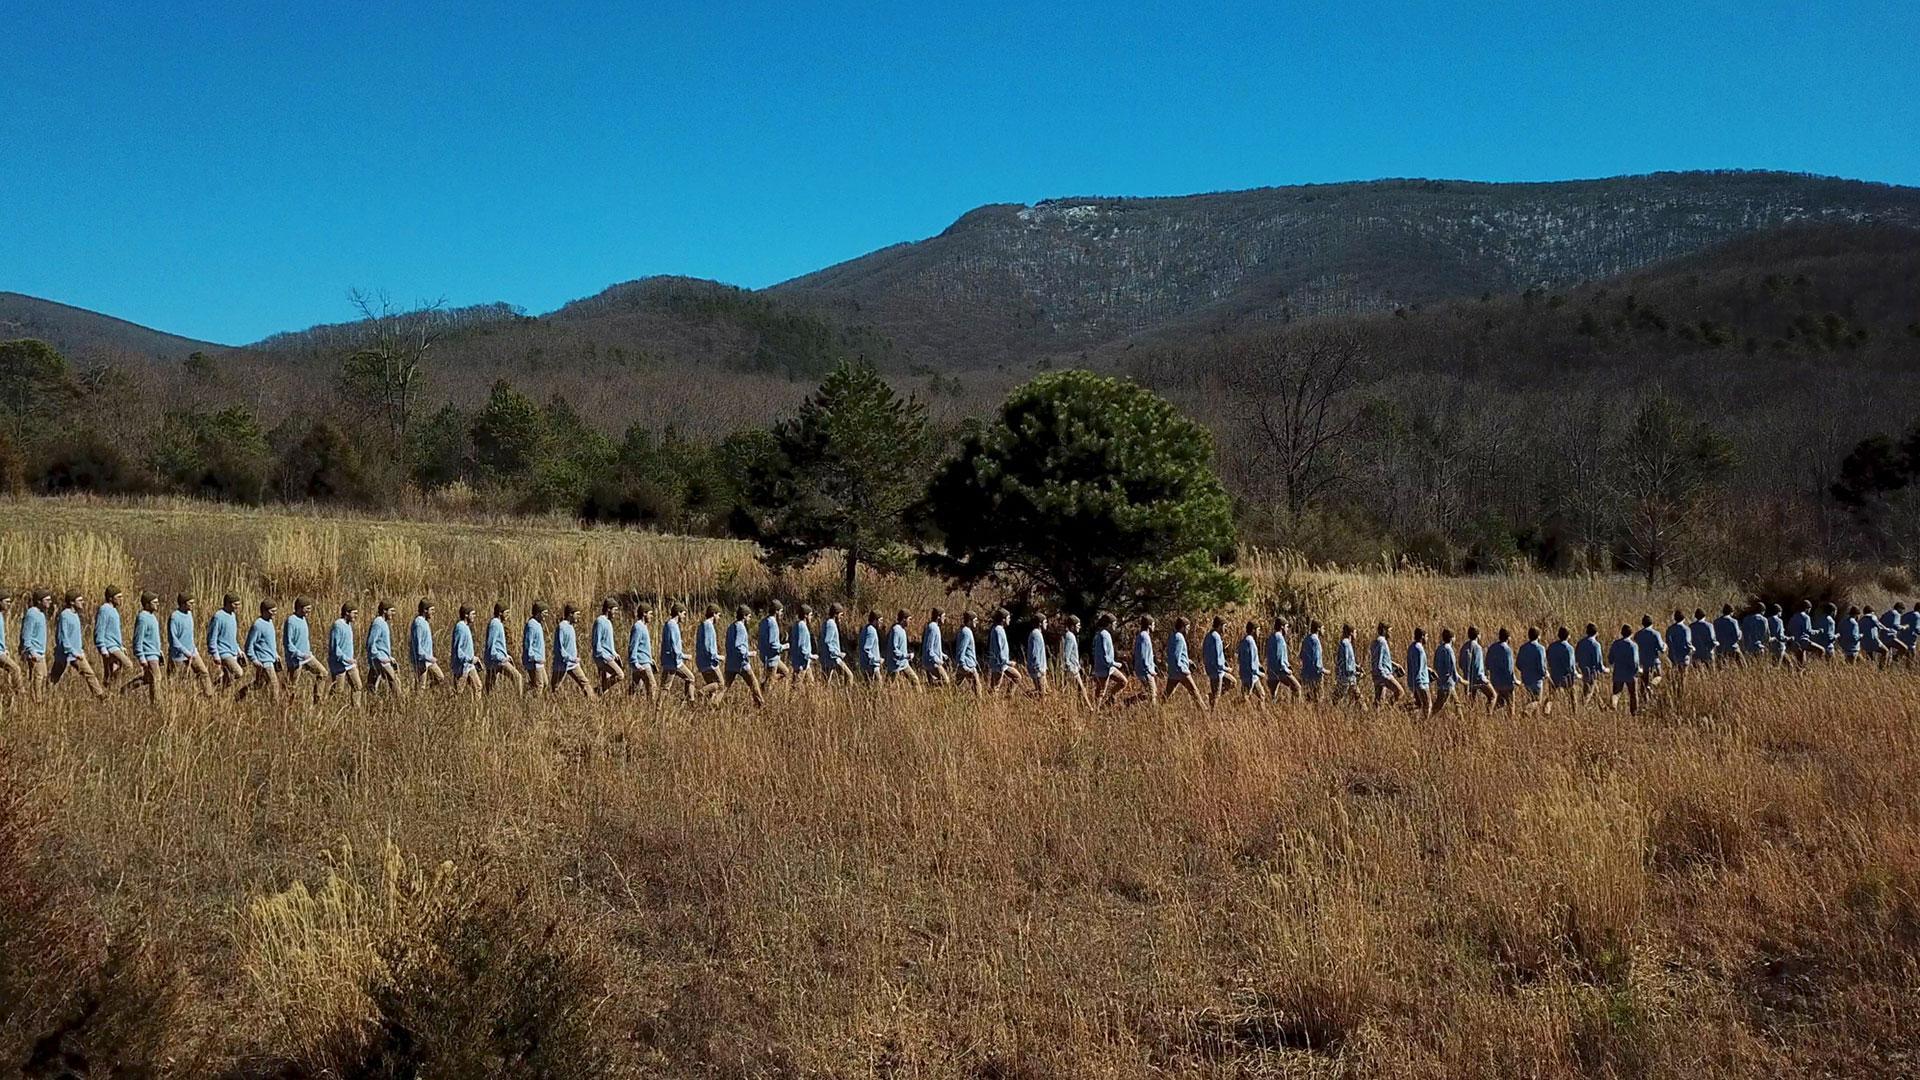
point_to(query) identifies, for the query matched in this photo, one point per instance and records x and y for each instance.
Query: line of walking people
(276, 657)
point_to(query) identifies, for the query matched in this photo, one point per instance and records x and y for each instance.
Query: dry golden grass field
(890, 884)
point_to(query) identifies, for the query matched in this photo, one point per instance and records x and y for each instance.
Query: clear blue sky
(229, 170)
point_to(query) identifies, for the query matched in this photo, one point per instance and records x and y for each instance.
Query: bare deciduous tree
(1293, 393)
(1659, 472)
(386, 371)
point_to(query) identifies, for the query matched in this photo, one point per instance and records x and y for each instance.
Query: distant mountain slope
(1005, 283)
(84, 335)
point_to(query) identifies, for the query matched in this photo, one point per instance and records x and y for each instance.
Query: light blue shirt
(998, 649)
(1143, 655)
(870, 649)
(1651, 646)
(1313, 662)
(770, 645)
(640, 645)
(380, 641)
(1346, 663)
(1178, 662)
(800, 646)
(739, 648)
(1445, 668)
(1560, 662)
(1625, 657)
(1800, 628)
(1417, 672)
(566, 646)
(1277, 660)
(1382, 658)
(1473, 663)
(3, 633)
(1070, 652)
(498, 651)
(1102, 654)
(223, 635)
(1679, 644)
(1213, 653)
(533, 644)
(263, 648)
(1532, 664)
(1753, 632)
(340, 647)
(1702, 632)
(33, 633)
(146, 637)
(1500, 664)
(1037, 653)
(464, 657)
(672, 652)
(830, 650)
(899, 649)
(299, 640)
(932, 648)
(603, 649)
(180, 635)
(1249, 656)
(1726, 633)
(966, 654)
(106, 629)
(706, 646)
(68, 639)
(1589, 656)
(422, 640)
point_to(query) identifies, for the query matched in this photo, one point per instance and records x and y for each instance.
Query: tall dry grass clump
(59, 561)
(396, 565)
(299, 559)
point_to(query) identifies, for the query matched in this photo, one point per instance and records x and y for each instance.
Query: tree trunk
(852, 579)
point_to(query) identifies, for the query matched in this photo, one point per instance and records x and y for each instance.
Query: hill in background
(78, 332)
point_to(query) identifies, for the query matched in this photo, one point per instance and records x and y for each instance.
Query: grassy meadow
(852, 883)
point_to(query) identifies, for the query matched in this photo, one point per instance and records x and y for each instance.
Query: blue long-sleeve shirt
(1776, 634)
(769, 641)
(1417, 672)
(1473, 663)
(1625, 658)
(830, 651)
(223, 635)
(1726, 633)
(3, 633)
(870, 649)
(1213, 654)
(1277, 660)
(422, 640)
(1800, 628)
(1870, 633)
(533, 644)
(966, 655)
(1825, 633)
(33, 633)
(1589, 656)
(1178, 661)
(340, 647)
(1910, 627)
(263, 647)
(1651, 646)
(933, 649)
(180, 635)
(998, 649)
(673, 651)
(69, 640)
(739, 648)
(640, 645)
(1500, 664)
(1753, 632)
(1532, 664)
(603, 642)
(1103, 658)
(706, 646)
(1446, 668)
(1848, 636)
(1679, 644)
(146, 637)
(1070, 652)
(1143, 666)
(800, 646)
(1313, 661)
(1382, 658)
(106, 629)
(566, 647)
(1703, 640)
(380, 641)
(299, 639)
(1248, 653)
(899, 649)
(463, 652)
(1560, 662)
(498, 651)
(1037, 653)
(1346, 665)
